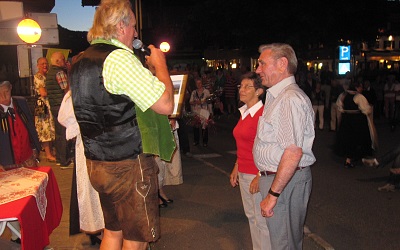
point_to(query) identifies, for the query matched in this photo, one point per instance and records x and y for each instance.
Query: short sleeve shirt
(287, 120)
(123, 73)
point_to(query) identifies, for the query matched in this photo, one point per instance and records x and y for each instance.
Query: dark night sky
(248, 23)
(245, 24)
(241, 24)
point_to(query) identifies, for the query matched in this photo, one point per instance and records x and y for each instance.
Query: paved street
(207, 212)
(345, 212)
(345, 208)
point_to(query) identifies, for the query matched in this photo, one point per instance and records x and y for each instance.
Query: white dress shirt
(287, 120)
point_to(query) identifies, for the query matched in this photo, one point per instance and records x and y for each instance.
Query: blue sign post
(344, 59)
(344, 53)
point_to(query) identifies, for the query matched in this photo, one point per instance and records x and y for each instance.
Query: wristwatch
(273, 193)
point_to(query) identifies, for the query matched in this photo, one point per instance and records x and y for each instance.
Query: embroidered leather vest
(107, 122)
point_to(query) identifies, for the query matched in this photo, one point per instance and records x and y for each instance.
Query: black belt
(266, 173)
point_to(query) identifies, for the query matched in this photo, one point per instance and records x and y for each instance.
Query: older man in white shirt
(282, 147)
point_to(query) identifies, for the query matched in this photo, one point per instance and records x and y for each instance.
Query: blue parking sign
(344, 53)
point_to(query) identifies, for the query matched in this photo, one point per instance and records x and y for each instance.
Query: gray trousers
(287, 224)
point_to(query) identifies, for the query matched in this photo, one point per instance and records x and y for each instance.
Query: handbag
(41, 109)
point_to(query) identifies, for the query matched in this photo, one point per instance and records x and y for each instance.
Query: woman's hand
(234, 178)
(172, 122)
(254, 188)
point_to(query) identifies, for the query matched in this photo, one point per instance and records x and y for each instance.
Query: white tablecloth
(22, 182)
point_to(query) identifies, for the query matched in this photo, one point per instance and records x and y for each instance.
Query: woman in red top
(245, 173)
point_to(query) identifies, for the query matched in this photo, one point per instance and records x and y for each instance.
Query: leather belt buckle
(266, 173)
(300, 168)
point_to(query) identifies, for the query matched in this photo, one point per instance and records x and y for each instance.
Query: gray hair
(280, 50)
(5, 84)
(107, 17)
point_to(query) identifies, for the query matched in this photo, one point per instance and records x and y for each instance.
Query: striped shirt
(230, 88)
(123, 73)
(287, 120)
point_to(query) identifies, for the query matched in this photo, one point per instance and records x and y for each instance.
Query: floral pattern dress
(43, 118)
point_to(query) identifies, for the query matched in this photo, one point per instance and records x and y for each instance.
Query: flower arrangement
(195, 120)
(192, 119)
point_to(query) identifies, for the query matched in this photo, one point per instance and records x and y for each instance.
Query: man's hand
(68, 66)
(267, 205)
(156, 60)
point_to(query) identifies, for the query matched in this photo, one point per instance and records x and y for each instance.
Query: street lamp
(29, 31)
(164, 47)
(390, 39)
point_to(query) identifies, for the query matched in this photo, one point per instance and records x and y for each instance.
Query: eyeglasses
(246, 87)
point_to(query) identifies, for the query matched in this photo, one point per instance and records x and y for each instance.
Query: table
(35, 231)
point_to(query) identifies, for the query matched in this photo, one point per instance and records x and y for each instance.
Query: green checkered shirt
(124, 74)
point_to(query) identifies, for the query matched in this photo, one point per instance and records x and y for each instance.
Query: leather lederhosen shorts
(128, 193)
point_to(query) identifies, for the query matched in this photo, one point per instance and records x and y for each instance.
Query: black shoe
(349, 165)
(188, 154)
(17, 240)
(94, 239)
(165, 200)
(69, 165)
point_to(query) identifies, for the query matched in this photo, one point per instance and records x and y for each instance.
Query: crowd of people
(263, 177)
(353, 106)
(381, 91)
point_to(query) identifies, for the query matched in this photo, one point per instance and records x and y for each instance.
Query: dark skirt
(353, 137)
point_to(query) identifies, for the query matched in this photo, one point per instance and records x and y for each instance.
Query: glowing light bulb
(29, 31)
(164, 47)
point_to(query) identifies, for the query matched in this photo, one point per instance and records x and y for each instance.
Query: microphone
(137, 44)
